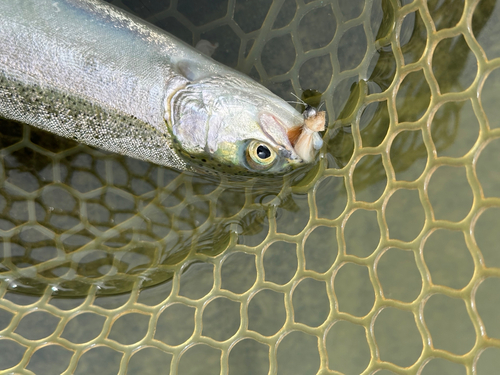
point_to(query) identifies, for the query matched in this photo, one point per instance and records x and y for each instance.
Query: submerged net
(382, 259)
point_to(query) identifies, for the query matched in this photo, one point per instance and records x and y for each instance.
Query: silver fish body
(86, 70)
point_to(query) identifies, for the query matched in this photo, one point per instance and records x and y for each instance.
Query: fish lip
(284, 153)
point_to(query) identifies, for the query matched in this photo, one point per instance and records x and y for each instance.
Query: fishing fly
(309, 140)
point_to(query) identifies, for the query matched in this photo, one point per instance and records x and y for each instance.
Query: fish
(89, 71)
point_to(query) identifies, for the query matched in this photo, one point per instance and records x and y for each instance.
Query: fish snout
(289, 155)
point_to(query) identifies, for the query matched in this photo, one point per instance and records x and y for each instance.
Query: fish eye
(260, 156)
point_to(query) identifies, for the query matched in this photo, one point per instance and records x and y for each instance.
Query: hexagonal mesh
(383, 259)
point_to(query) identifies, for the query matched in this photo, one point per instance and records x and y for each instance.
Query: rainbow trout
(86, 70)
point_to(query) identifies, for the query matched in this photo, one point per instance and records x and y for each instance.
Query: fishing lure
(306, 139)
(309, 140)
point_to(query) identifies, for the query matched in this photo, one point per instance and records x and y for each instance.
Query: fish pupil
(263, 152)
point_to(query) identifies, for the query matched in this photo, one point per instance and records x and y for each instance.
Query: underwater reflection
(73, 217)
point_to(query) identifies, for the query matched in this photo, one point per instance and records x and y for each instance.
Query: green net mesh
(383, 259)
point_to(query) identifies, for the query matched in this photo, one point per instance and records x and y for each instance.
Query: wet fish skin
(88, 71)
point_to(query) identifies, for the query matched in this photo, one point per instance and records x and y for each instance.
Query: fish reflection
(72, 216)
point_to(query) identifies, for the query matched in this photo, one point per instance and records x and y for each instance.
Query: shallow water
(384, 258)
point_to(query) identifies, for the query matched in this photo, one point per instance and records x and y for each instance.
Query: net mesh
(383, 259)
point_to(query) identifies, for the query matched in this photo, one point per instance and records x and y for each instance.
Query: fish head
(228, 122)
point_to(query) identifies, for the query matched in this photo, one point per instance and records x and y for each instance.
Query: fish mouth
(280, 135)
